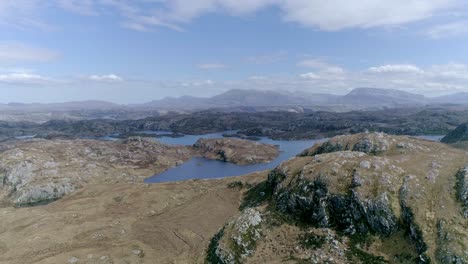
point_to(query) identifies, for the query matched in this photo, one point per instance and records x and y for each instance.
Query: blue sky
(130, 51)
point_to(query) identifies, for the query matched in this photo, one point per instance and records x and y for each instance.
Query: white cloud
(309, 75)
(330, 15)
(22, 78)
(340, 14)
(453, 29)
(12, 52)
(395, 68)
(323, 70)
(431, 80)
(325, 15)
(211, 66)
(106, 78)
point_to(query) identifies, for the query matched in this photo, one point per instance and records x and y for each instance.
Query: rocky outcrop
(341, 190)
(237, 151)
(239, 237)
(379, 186)
(40, 171)
(369, 143)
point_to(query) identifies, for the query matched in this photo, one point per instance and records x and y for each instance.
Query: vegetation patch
(211, 256)
(312, 241)
(37, 203)
(357, 252)
(257, 195)
(236, 185)
(405, 258)
(297, 260)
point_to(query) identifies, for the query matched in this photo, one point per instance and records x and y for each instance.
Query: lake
(201, 168)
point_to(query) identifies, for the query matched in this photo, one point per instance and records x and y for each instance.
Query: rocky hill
(40, 171)
(367, 198)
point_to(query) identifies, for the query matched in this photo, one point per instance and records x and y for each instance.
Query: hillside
(459, 134)
(383, 97)
(366, 198)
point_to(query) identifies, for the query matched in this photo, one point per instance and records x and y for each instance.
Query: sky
(133, 51)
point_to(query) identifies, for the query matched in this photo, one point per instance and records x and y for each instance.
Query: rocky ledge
(237, 151)
(391, 199)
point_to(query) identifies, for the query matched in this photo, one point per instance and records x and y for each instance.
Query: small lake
(201, 168)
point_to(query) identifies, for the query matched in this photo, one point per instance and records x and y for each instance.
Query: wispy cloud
(24, 14)
(211, 66)
(447, 30)
(12, 52)
(328, 15)
(197, 83)
(82, 7)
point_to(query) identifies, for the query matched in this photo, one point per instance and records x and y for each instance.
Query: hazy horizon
(148, 100)
(137, 51)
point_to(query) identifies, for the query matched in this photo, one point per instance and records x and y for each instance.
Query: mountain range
(358, 98)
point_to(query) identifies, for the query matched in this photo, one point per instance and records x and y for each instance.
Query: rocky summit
(366, 198)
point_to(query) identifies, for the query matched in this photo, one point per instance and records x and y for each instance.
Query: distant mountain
(382, 97)
(358, 98)
(67, 106)
(183, 102)
(243, 98)
(456, 98)
(261, 100)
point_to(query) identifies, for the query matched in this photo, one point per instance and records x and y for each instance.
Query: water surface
(201, 168)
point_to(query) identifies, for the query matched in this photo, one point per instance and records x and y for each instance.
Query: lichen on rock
(240, 237)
